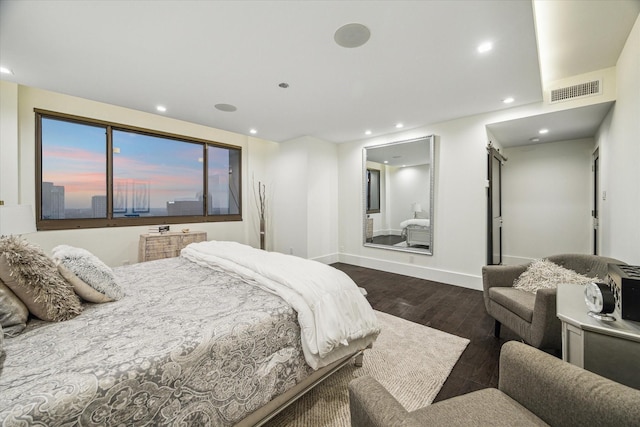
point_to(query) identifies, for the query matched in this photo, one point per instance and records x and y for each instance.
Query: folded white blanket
(415, 221)
(332, 312)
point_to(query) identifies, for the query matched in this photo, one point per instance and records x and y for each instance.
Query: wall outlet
(290, 251)
(125, 262)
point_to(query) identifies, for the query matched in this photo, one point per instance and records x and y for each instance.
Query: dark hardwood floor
(458, 311)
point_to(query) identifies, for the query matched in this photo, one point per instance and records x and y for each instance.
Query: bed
(416, 231)
(193, 342)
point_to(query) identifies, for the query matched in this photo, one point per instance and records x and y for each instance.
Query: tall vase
(262, 233)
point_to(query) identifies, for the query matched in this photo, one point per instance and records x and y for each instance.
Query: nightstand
(166, 245)
(610, 349)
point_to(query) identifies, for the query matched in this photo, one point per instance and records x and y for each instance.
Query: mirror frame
(430, 140)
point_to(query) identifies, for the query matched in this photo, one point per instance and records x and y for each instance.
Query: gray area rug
(412, 361)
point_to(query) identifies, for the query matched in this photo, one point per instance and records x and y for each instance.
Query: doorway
(495, 160)
(595, 212)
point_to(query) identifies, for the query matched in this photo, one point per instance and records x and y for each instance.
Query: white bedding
(332, 311)
(415, 221)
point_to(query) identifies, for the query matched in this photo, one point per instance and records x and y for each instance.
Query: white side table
(610, 349)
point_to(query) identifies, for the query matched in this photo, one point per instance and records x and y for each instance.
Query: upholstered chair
(534, 389)
(532, 316)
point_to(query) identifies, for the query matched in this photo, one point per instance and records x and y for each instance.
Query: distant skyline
(74, 156)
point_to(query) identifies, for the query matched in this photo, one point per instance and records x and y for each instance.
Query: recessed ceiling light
(534, 139)
(253, 131)
(5, 70)
(386, 162)
(508, 100)
(352, 35)
(485, 47)
(226, 107)
(399, 125)
(367, 132)
(161, 108)
(543, 131)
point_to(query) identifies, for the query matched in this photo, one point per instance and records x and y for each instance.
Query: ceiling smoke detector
(352, 35)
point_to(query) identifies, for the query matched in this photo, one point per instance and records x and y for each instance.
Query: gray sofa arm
(564, 394)
(499, 275)
(372, 405)
(546, 330)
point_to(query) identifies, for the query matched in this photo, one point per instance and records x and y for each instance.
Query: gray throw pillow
(13, 313)
(91, 278)
(33, 277)
(3, 353)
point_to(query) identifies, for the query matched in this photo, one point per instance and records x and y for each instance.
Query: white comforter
(332, 311)
(415, 221)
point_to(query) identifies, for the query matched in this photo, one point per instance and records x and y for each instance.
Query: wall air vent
(576, 91)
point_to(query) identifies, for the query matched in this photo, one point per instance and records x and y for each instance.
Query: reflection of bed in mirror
(403, 185)
(416, 231)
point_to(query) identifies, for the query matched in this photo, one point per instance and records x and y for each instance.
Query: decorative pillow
(92, 279)
(544, 274)
(34, 278)
(3, 353)
(13, 313)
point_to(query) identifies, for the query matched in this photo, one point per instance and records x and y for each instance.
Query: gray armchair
(534, 388)
(533, 316)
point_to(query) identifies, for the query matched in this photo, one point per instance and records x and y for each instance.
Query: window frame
(110, 220)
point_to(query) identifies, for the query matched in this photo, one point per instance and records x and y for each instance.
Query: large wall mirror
(398, 195)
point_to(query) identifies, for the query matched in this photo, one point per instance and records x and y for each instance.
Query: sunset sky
(74, 156)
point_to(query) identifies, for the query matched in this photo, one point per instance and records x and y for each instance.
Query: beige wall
(619, 142)
(114, 246)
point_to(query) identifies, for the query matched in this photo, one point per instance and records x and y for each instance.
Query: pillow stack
(49, 289)
(32, 277)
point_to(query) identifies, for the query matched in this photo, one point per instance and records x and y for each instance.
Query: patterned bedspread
(186, 346)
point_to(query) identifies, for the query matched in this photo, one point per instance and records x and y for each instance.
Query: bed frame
(275, 406)
(418, 235)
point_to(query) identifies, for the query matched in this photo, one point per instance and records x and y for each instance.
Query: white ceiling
(420, 65)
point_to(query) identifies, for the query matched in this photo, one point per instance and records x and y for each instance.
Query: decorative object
(34, 278)
(91, 278)
(416, 208)
(411, 360)
(624, 281)
(600, 301)
(406, 170)
(544, 274)
(261, 201)
(16, 220)
(13, 313)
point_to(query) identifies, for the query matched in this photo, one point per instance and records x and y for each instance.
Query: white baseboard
(443, 276)
(328, 259)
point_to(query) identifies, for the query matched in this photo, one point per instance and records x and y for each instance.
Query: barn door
(495, 160)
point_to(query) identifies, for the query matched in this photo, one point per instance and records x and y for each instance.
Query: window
(373, 191)
(99, 174)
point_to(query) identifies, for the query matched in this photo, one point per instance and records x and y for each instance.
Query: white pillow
(544, 274)
(91, 279)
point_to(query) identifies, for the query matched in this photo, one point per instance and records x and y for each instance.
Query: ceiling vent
(576, 91)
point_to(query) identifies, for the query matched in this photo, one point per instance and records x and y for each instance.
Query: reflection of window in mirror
(373, 191)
